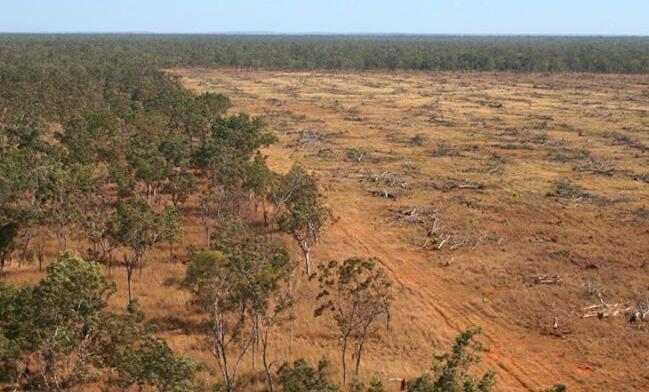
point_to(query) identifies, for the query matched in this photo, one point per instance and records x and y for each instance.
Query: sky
(570, 17)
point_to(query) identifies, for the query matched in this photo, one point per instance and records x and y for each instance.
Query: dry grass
(529, 175)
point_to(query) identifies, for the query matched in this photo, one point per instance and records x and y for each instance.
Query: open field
(513, 201)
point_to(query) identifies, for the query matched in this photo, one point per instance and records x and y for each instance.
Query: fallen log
(385, 194)
(553, 280)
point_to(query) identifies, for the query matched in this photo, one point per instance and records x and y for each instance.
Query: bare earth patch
(513, 201)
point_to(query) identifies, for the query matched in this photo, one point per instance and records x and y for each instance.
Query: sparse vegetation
(105, 151)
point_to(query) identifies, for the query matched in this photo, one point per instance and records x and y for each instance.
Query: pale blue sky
(336, 16)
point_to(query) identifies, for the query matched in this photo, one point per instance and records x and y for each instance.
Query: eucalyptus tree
(259, 180)
(272, 267)
(61, 192)
(26, 162)
(180, 182)
(358, 296)
(225, 156)
(137, 227)
(241, 288)
(172, 227)
(304, 214)
(292, 188)
(148, 163)
(192, 115)
(58, 335)
(93, 137)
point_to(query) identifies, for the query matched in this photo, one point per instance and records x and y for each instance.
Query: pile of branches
(453, 185)
(437, 238)
(549, 280)
(414, 215)
(385, 177)
(633, 313)
(598, 166)
(309, 138)
(619, 139)
(386, 194)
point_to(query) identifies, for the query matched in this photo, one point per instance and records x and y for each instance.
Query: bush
(300, 377)
(57, 335)
(419, 140)
(450, 372)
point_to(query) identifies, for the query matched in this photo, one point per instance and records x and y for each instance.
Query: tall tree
(148, 163)
(259, 179)
(137, 227)
(272, 267)
(237, 288)
(61, 192)
(172, 228)
(8, 233)
(305, 216)
(54, 325)
(294, 187)
(357, 295)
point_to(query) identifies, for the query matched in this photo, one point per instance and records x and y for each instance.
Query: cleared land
(513, 201)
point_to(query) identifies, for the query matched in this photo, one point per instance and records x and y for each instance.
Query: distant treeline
(515, 53)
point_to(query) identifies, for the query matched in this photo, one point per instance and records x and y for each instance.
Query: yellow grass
(513, 134)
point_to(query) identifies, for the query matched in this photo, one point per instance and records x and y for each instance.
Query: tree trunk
(307, 257)
(129, 274)
(263, 207)
(28, 240)
(130, 266)
(255, 343)
(269, 377)
(63, 241)
(41, 256)
(359, 351)
(110, 264)
(344, 360)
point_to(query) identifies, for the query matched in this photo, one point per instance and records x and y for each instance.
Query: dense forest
(99, 144)
(475, 53)
(56, 75)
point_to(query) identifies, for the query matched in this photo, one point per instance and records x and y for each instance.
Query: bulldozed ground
(518, 202)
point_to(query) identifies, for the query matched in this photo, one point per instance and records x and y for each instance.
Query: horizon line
(324, 33)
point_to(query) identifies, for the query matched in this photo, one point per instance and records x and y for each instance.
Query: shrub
(450, 372)
(300, 377)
